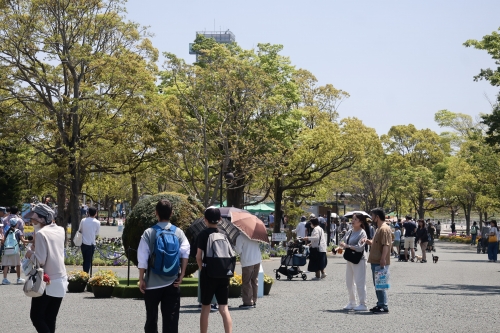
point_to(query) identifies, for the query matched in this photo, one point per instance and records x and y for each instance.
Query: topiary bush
(185, 211)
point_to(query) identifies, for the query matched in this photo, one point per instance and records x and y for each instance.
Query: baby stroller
(290, 263)
(401, 250)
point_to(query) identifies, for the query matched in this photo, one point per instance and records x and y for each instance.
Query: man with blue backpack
(163, 256)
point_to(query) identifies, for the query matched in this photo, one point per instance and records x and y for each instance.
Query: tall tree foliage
(72, 69)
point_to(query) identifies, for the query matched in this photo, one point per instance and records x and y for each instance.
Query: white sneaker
(324, 276)
(361, 307)
(5, 281)
(349, 306)
(20, 281)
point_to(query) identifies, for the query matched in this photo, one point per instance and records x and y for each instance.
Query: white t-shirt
(89, 227)
(301, 229)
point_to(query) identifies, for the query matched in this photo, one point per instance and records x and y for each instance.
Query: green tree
(72, 68)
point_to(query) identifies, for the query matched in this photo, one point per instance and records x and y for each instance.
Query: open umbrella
(351, 214)
(224, 226)
(250, 225)
(226, 211)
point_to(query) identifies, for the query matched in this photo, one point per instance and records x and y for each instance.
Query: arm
(199, 259)
(142, 258)
(41, 249)
(385, 252)
(184, 250)
(239, 244)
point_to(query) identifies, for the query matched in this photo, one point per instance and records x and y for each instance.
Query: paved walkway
(462, 290)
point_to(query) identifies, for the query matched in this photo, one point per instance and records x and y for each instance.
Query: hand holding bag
(351, 255)
(492, 239)
(34, 285)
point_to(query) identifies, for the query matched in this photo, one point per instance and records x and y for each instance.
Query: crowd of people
(365, 243)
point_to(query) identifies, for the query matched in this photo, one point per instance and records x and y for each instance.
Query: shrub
(185, 211)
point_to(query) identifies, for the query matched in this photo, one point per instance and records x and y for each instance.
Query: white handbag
(78, 240)
(34, 285)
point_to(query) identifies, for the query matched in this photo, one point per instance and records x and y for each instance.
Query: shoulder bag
(351, 255)
(34, 285)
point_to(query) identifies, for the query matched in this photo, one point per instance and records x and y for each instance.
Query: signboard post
(279, 237)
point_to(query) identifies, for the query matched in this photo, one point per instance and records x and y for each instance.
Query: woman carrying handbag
(317, 255)
(354, 253)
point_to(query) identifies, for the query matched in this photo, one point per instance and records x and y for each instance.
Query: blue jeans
(381, 294)
(492, 251)
(87, 254)
(473, 240)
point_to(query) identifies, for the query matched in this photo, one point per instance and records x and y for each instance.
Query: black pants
(87, 254)
(170, 299)
(43, 314)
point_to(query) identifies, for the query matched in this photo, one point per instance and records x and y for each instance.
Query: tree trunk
(467, 211)
(485, 216)
(278, 198)
(235, 194)
(452, 215)
(135, 190)
(480, 219)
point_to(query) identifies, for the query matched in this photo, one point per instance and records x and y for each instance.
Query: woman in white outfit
(356, 273)
(49, 253)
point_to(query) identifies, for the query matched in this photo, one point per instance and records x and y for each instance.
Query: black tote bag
(351, 255)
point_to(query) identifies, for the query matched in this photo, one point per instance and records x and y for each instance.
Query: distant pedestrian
(89, 227)
(356, 272)
(160, 275)
(397, 241)
(12, 241)
(410, 230)
(422, 238)
(301, 230)
(317, 254)
(431, 230)
(453, 227)
(438, 229)
(271, 220)
(493, 242)
(380, 255)
(473, 233)
(250, 258)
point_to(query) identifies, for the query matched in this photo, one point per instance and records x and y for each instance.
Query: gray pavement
(459, 294)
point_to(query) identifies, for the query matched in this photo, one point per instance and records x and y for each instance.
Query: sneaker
(13, 270)
(254, 305)
(424, 261)
(361, 307)
(349, 306)
(315, 278)
(5, 281)
(244, 306)
(374, 308)
(324, 275)
(214, 307)
(379, 309)
(20, 281)
(412, 260)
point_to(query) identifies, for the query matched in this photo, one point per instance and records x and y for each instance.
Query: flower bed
(456, 239)
(109, 252)
(189, 288)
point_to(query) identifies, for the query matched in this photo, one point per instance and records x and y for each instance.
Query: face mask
(37, 227)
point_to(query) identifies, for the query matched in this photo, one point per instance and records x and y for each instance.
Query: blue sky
(401, 61)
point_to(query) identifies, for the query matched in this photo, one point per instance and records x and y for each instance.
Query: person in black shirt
(423, 238)
(453, 228)
(410, 229)
(211, 286)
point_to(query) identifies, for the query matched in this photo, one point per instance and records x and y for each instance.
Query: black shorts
(210, 287)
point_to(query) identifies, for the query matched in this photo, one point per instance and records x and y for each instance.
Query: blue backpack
(165, 258)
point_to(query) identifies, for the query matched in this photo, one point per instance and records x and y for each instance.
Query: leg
(255, 282)
(412, 244)
(349, 280)
(205, 311)
(490, 252)
(381, 294)
(87, 259)
(360, 280)
(495, 251)
(38, 310)
(152, 299)
(246, 287)
(424, 252)
(226, 318)
(170, 306)
(18, 271)
(52, 311)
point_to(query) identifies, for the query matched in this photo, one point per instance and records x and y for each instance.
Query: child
(11, 241)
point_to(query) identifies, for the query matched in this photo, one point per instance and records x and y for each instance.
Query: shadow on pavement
(464, 288)
(362, 313)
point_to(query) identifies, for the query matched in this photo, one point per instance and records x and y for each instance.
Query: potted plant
(77, 280)
(268, 283)
(235, 286)
(103, 283)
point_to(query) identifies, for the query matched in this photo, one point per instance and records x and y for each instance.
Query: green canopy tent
(261, 208)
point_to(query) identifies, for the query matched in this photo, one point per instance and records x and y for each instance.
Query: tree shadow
(466, 289)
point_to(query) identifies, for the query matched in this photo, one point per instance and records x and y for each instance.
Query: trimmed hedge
(189, 288)
(185, 211)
